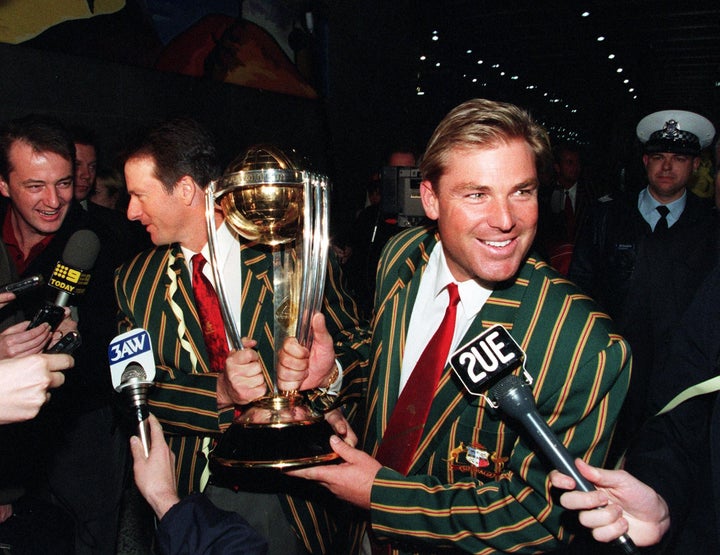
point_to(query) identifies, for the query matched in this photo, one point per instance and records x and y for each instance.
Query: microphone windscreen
(513, 396)
(133, 370)
(82, 250)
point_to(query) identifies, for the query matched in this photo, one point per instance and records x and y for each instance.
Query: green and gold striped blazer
(497, 499)
(154, 291)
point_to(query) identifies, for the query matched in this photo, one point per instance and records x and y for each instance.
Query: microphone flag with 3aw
(70, 277)
(132, 371)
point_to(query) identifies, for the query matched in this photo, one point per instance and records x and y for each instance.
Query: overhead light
(585, 14)
(600, 38)
(626, 81)
(468, 51)
(479, 62)
(423, 58)
(619, 70)
(611, 57)
(435, 37)
(631, 89)
(437, 64)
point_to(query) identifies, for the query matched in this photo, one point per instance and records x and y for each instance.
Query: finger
(56, 380)
(248, 343)
(580, 500)
(592, 473)
(58, 362)
(347, 452)
(137, 450)
(318, 324)
(156, 431)
(561, 481)
(612, 531)
(293, 348)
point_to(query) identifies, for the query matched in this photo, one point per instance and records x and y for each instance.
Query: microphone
(132, 370)
(70, 276)
(515, 399)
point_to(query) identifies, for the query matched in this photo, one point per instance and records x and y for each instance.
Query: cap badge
(671, 129)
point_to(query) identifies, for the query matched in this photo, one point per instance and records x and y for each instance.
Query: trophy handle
(232, 328)
(316, 242)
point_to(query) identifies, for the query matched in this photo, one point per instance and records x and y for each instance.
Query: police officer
(643, 255)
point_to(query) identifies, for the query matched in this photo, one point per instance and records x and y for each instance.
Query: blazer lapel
(179, 294)
(391, 323)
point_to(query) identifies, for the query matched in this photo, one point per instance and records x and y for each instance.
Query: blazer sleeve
(184, 396)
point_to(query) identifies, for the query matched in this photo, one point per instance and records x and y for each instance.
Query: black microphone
(70, 276)
(515, 399)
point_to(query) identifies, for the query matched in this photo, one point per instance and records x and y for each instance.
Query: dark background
(365, 64)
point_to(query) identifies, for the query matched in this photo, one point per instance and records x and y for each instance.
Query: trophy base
(276, 433)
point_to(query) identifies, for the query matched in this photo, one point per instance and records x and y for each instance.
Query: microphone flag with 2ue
(486, 359)
(484, 365)
(132, 371)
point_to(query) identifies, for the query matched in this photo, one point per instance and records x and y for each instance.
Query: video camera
(401, 194)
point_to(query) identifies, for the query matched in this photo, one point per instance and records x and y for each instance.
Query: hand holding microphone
(70, 276)
(487, 362)
(132, 370)
(515, 399)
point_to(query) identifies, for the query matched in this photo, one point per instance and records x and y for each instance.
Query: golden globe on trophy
(266, 198)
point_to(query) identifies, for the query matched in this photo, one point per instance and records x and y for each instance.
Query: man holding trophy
(203, 384)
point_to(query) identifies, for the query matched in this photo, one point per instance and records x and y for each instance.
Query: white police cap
(675, 131)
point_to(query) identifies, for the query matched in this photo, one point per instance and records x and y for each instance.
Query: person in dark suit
(128, 238)
(562, 208)
(644, 268)
(669, 491)
(469, 481)
(78, 451)
(167, 172)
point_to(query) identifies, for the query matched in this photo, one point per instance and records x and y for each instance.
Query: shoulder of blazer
(405, 252)
(147, 268)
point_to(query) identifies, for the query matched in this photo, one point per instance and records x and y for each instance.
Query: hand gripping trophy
(265, 198)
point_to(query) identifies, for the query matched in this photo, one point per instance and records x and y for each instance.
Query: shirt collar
(472, 294)
(13, 246)
(647, 205)
(226, 238)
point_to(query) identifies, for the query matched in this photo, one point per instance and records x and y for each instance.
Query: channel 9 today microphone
(487, 362)
(70, 276)
(132, 370)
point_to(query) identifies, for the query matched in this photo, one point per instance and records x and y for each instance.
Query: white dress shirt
(429, 309)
